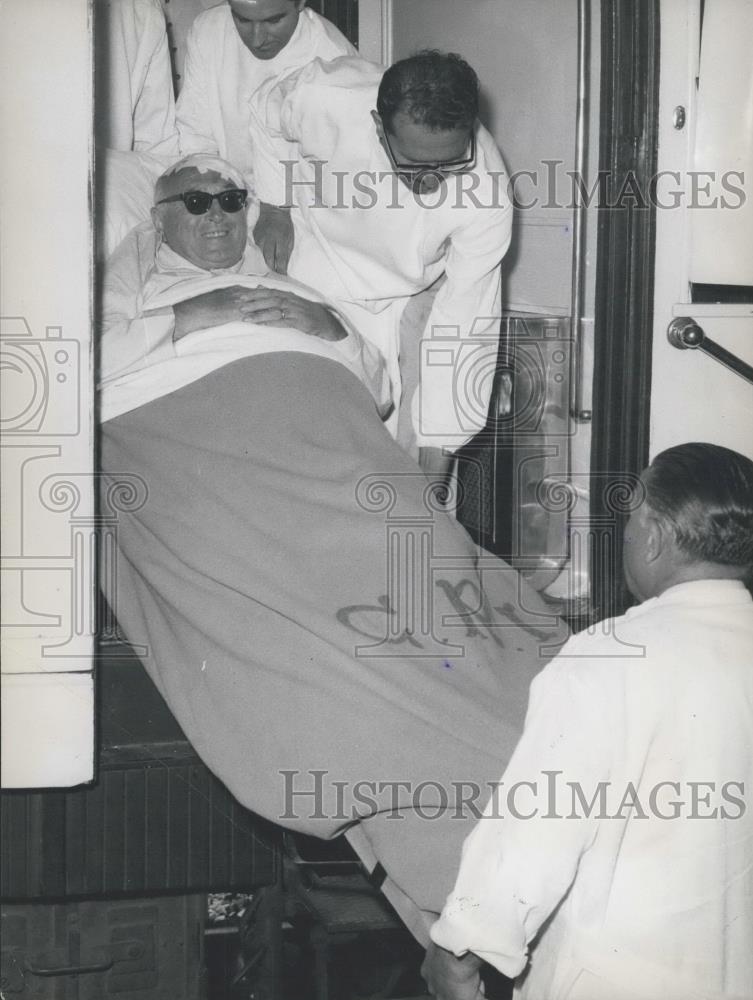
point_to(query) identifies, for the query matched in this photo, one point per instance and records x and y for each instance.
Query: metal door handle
(685, 334)
(120, 951)
(69, 970)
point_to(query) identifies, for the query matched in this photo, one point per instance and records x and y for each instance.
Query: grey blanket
(325, 635)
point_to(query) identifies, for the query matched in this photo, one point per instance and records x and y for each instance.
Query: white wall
(45, 266)
(693, 397)
(722, 238)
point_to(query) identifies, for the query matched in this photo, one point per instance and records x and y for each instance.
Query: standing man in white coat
(615, 858)
(231, 50)
(395, 183)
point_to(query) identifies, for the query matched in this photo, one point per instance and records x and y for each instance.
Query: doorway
(570, 93)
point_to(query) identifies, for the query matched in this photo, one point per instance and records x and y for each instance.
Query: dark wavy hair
(436, 89)
(704, 493)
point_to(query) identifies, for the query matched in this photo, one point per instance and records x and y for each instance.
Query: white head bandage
(201, 163)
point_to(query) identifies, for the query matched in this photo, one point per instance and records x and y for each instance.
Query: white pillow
(125, 195)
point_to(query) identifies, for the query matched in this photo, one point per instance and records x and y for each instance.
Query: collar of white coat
(700, 592)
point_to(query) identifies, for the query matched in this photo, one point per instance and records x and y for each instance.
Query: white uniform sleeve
(297, 110)
(193, 114)
(134, 76)
(274, 138)
(461, 339)
(154, 128)
(370, 363)
(520, 860)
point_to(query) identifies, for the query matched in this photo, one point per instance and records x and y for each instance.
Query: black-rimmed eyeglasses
(199, 202)
(414, 170)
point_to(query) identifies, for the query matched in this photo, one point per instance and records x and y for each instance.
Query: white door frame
(49, 522)
(375, 30)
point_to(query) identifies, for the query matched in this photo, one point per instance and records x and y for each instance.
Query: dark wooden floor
(363, 968)
(387, 966)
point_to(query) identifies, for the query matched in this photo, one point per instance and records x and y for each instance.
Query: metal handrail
(579, 211)
(685, 334)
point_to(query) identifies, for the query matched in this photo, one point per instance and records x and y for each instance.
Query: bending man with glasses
(393, 184)
(193, 270)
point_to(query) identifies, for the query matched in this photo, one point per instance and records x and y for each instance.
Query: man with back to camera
(394, 184)
(622, 825)
(231, 50)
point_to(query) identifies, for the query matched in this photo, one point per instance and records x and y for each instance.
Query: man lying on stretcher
(154, 296)
(329, 639)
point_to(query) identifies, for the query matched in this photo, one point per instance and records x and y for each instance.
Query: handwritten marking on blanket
(389, 622)
(365, 614)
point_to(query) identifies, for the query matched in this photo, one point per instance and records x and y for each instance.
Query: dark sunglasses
(199, 202)
(447, 167)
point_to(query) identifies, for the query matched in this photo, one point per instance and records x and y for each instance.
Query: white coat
(647, 894)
